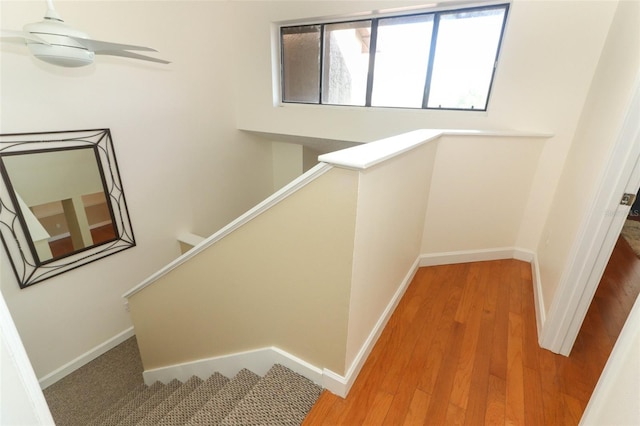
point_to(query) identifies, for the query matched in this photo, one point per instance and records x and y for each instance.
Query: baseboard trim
(341, 385)
(259, 361)
(466, 256)
(85, 358)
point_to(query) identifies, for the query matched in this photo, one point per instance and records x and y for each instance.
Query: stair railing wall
(312, 274)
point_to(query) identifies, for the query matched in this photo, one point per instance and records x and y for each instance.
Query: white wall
(183, 164)
(549, 55)
(479, 191)
(601, 121)
(21, 401)
(389, 222)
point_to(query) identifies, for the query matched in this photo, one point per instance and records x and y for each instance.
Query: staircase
(281, 397)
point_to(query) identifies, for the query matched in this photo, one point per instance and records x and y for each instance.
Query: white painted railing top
(369, 154)
(358, 157)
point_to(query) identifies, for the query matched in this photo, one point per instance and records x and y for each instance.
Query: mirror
(61, 202)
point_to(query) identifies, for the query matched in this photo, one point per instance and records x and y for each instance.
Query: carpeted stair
(281, 397)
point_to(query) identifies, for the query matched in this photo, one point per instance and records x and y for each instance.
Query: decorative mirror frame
(14, 232)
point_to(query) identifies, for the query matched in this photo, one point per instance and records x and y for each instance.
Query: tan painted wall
(391, 208)
(282, 279)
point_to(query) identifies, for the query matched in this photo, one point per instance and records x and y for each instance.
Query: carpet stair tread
(150, 404)
(118, 405)
(174, 399)
(221, 405)
(138, 399)
(190, 405)
(282, 397)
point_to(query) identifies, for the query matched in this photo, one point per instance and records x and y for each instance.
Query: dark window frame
(372, 52)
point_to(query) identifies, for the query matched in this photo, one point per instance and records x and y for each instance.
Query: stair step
(150, 404)
(281, 397)
(190, 405)
(118, 405)
(224, 401)
(174, 399)
(137, 400)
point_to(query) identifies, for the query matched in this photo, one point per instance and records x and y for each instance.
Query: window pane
(301, 64)
(346, 62)
(464, 59)
(402, 54)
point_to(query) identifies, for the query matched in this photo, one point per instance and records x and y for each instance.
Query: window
(439, 60)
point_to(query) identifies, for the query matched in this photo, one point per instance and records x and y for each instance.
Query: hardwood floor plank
(462, 347)
(533, 405)
(495, 406)
(378, 412)
(475, 288)
(444, 382)
(441, 336)
(321, 408)
(479, 386)
(501, 327)
(417, 412)
(515, 373)
(455, 415)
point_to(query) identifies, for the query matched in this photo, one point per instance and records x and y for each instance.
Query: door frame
(597, 236)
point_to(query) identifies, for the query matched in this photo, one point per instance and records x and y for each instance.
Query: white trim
(466, 256)
(538, 297)
(10, 340)
(367, 155)
(85, 358)
(259, 361)
(190, 239)
(274, 199)
(596, 237)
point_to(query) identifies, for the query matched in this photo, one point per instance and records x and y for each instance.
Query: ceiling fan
(57, 43)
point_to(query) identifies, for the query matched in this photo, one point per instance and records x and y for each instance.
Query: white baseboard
(466, 256)
(341, 385)
(85, 358)
(259, 361)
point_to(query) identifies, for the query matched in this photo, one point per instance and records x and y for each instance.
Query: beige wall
(280, 280)
(183, 164)
(390, 218)
(600, 123)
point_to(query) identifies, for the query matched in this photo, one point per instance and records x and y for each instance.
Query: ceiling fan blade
(21, 35)
(98, 46)
(127, 54)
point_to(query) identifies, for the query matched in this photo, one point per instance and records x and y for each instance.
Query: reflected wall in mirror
(61, 202)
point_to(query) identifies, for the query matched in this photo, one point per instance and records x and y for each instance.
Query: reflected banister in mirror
(61, 202)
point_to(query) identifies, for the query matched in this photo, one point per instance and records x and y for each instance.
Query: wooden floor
(461, 348)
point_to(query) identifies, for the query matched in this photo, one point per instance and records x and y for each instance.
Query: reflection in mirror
(61, 202)
(62, 192)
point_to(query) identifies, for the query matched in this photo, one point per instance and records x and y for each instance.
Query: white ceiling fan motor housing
(61, 50)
